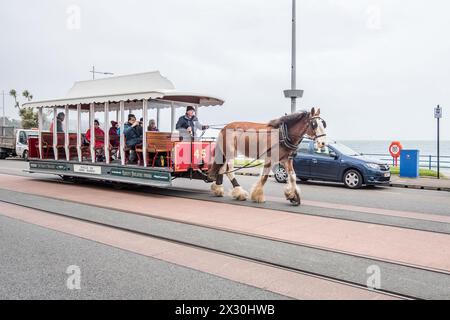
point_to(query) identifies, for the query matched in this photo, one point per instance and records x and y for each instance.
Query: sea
(426, 148)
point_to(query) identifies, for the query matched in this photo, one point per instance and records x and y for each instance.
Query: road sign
(438, 112)
(395, 149)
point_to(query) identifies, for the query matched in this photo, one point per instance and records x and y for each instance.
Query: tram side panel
(186, 158)
(193, 156)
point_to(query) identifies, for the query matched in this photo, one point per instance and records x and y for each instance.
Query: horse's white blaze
(320, 132)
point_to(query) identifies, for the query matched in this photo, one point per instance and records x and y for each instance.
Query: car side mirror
(333, 155)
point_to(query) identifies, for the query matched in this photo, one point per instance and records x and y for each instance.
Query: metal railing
(425, 161)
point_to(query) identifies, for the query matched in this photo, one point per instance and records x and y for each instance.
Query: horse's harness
(286, 139)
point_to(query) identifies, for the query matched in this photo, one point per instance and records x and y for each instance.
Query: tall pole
(294, 56)
(4, 119)
(293, 93)
(438, 147)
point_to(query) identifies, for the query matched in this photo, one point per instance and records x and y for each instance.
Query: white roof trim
(150, 85)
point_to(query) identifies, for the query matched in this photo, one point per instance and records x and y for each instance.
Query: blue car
(335, 163)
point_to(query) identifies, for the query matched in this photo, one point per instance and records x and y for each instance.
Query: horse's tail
(213, 171)
(219, 160)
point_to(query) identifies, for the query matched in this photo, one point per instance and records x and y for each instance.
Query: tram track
(410, 223)
(235, 256)
(221, 229)
(381, 219)
(419, 271)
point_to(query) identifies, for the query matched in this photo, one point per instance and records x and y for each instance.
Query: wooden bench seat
(158, 144)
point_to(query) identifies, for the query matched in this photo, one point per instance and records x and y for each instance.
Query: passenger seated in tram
(152, 126)
(114, 137)
(133, 135)
(99, 140)
(59, 123)
(189, 124)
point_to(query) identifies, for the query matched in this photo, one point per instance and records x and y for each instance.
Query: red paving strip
(283, 282)
(384, 212)
(412, 247)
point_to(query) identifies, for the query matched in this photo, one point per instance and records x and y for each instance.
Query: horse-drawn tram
(112, 107)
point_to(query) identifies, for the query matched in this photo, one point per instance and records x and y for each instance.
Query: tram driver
(189, 124)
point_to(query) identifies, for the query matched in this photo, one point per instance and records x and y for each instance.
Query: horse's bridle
(314, 125)
(286, 140)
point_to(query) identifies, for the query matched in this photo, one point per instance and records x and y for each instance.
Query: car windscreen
(345, 150)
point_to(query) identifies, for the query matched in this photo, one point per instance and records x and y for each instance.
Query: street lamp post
(99, 72)
(438, 116)
(294, 93)
(3, 99)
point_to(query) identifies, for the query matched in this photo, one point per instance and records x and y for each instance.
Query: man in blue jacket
(188, 125)
(133, 135)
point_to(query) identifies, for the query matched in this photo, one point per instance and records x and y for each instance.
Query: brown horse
(274, 143)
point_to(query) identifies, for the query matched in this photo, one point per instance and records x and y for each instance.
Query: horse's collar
(286, 140)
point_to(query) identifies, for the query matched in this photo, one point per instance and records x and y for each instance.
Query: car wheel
(353, 179)
(281, 174)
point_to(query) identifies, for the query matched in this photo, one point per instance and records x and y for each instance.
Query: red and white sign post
(395, 149)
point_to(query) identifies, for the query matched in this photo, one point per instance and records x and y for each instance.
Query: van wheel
(353, 179)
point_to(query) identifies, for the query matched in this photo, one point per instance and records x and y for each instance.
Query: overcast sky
(376, 68)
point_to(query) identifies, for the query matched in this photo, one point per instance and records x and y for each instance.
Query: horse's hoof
(239, 194)
(296, 200)
(218, 191)
(257, 195)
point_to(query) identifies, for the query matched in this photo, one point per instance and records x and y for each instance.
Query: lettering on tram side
(48, 166)
(87, 169)
(157, 176)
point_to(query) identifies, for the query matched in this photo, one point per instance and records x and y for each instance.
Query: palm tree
(27, 95)
(13, 93)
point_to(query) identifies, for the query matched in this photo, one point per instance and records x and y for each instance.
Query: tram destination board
(49, 166)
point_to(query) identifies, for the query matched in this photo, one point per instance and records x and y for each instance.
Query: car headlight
(373, 166)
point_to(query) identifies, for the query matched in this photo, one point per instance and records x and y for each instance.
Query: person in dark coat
(133, 135)
(189, 124)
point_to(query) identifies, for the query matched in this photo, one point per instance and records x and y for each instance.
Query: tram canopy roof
(128, 88)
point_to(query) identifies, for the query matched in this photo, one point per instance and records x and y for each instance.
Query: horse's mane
(289, 119)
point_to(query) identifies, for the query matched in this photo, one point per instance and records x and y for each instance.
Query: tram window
(304, 147)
